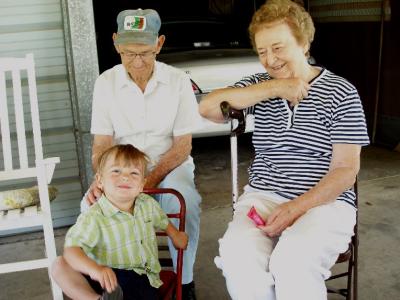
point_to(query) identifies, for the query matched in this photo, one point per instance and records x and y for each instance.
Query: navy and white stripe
(293, 146)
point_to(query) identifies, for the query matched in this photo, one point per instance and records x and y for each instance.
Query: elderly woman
(309, 129)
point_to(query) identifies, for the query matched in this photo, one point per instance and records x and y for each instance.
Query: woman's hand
(292, 89)
(282, 217)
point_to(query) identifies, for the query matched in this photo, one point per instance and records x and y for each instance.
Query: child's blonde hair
(124, 154)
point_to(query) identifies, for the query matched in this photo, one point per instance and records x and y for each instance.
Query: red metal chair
(351, 258)
(172, 282)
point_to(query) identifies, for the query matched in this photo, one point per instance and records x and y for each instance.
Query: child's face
(121, 182)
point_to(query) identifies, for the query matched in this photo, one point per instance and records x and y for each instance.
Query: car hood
(217, 68)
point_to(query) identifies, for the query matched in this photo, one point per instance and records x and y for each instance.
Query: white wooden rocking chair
(20, 168)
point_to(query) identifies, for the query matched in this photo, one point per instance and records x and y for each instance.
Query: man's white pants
(182, 180)
(293, 266)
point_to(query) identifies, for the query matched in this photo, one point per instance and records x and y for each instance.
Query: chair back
(19, 117)
(19, 128)
(172, 281)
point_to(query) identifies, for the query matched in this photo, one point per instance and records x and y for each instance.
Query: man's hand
(93, 194)
(282, 217)
(292, 89)
(175, 156)
(180, 240)
(106, 277)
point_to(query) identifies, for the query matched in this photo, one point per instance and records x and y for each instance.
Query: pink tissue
(252, 214)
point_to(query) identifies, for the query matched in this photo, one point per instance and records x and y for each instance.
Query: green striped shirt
(120, 240)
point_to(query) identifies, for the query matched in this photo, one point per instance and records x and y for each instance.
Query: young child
(114, 244)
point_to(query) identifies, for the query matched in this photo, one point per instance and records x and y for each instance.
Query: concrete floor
(379, 211)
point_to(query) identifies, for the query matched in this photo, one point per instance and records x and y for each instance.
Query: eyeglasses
(143, 56)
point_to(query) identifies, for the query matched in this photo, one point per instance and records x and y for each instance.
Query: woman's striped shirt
(293, 146)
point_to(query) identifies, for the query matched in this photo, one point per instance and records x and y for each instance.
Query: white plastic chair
(17, 166)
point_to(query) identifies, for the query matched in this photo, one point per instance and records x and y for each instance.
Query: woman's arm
(341, 176)
(293, 89)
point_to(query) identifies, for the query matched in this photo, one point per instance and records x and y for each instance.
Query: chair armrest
(229, 113)
(50, 165)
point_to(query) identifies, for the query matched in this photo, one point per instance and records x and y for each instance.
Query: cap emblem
(135, 23)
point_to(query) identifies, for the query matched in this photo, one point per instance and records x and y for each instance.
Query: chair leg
(51, 255)
(355, 270)
(49, 240)
(350, 276)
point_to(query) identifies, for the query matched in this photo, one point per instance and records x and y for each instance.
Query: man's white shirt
(148, 120)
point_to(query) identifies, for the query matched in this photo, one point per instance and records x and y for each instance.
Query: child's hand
(106, 277)
(180, 240)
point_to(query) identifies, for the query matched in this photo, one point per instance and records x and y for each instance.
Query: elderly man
(152, 106)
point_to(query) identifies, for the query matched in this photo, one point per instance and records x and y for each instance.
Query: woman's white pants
(293, 266)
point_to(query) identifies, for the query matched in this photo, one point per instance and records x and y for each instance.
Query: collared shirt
(118, 239)
(293, 146)
(148, 120)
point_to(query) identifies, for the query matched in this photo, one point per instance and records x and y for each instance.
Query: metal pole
(234, 169)
(378, 81)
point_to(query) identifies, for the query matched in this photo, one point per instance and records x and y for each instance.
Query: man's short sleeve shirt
(148, 120)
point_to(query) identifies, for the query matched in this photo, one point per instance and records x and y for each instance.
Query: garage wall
(35, 26)
(351, 49)
(388, 129)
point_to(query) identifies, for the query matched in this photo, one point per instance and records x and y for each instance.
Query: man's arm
(100, 144)
(176, 155)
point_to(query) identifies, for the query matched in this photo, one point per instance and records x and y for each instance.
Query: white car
(210, 65)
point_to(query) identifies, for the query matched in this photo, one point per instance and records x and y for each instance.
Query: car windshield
(196, 33)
